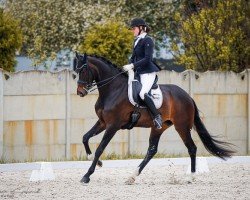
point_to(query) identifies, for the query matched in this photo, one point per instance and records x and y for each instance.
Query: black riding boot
(153, 111)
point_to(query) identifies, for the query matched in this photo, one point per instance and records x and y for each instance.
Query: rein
(108, 81)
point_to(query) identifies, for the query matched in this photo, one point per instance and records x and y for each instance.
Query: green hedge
(111, 40)
(10, 40)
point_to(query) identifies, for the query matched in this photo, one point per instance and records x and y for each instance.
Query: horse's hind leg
(185, 135)
(152, 150)
(95, 130)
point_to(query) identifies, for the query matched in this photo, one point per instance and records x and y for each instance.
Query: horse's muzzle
(81, 91)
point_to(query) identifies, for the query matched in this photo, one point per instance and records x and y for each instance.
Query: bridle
(89, 84)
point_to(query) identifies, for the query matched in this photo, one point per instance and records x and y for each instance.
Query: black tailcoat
(142, 56)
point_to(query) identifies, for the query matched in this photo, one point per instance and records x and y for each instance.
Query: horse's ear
(77, 55)
(73, 76)
(85, 57)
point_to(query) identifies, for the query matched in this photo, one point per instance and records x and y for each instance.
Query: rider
(141, 62)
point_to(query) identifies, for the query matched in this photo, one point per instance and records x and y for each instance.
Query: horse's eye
(74, 75)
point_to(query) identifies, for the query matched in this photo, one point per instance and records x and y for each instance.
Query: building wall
(42, 118)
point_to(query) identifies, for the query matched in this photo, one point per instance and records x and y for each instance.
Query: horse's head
(85, 76)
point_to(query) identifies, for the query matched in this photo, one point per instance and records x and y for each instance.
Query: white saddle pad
(156, 94)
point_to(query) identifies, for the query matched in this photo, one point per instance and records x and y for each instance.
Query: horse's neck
(103, 73)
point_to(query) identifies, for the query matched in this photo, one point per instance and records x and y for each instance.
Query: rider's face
(136, 31)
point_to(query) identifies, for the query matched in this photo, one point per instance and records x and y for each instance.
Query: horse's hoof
(85, 179)
(99, 163)
(130, 181)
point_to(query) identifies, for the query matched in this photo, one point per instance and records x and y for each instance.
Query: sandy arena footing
(161, 179)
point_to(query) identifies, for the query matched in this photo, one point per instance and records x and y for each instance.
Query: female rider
(143, 65)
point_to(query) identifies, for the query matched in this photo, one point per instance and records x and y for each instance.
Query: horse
(114, 111)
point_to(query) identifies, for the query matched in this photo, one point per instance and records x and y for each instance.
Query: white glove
(128, 67)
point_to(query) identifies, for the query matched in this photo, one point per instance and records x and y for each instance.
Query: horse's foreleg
(105, 140)
(152, 150)
(95, 130)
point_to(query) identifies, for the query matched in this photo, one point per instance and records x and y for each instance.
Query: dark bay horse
(114, 110)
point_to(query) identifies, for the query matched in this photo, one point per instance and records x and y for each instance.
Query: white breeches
(147, 81)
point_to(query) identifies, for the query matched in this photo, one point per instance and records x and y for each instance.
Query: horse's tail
(214, 146)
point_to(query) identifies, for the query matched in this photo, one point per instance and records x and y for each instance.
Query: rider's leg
(154, 112)
(147, 81)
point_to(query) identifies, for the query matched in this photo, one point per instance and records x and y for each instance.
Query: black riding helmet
(139, 22)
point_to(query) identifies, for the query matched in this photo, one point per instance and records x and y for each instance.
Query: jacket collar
(138, 38)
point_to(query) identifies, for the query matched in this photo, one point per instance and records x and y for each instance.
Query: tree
(10, 40)
(155, 13)
(112, 40)
(215, 37)
(50, 26)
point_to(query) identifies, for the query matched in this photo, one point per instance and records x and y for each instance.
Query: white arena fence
(42, 118)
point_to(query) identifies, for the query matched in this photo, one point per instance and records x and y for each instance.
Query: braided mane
(108, 62)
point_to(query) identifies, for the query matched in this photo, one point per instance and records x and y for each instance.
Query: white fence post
(1, 113)
(67, 114)
(248, 112)
(191, 83)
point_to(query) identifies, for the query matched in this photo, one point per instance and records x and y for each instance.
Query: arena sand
(224, 181)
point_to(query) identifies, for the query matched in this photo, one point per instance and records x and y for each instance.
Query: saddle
(134, 88)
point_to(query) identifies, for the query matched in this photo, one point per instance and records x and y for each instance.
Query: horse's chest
(102, 111)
